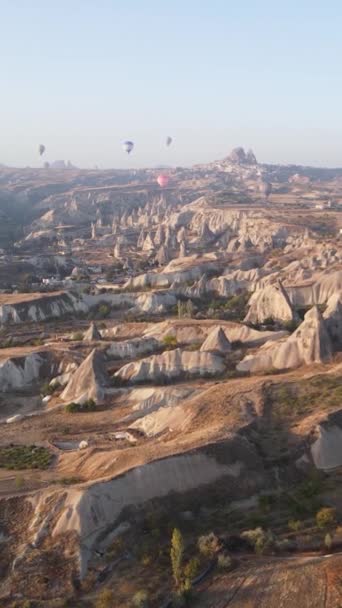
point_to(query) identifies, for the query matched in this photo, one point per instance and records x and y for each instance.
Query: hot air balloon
(163, 180)
(128, 146)
(41, 149)
(168, 141)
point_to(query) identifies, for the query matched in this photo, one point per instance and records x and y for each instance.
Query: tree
(328, 541)
(176, 554)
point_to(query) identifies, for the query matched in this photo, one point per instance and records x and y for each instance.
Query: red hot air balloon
(163, 180)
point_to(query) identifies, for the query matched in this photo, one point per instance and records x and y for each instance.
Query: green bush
(326, 517)
(169, 341)
(87, 406)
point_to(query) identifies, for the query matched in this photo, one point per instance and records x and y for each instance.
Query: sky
(81, 76)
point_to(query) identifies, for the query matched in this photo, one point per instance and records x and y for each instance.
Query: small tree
(328, 541)
(176, 553)
(190, 572)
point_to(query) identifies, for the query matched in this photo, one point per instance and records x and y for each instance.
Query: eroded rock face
(41, 308)
(333, 319)
(172, 364)
(316, 292)
(155, 302)
(310, 343)
(326, 451)
(20, 373)
(89, 381)
(272, 302)
(91, 511)
(129, 349)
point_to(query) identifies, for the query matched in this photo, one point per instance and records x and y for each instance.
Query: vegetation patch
(17, 457)
(87, 406)
(321, 392)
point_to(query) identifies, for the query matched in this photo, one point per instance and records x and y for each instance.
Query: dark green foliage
(87, 406)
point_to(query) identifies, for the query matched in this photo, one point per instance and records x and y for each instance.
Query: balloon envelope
(163, 180)
(168, 140)
(41, 149)
(128, 146)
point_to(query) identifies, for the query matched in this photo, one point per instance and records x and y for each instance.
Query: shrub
(294, 525)
(259, 539)
(208, 544)
(103, 311)
(47, 389)
(87, 406)
(140, 599)
(169, 341)
(19, 482)
(105, 599)
(326, 517)
(224, 561)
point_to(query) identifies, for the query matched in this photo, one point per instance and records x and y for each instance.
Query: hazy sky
(80, 76)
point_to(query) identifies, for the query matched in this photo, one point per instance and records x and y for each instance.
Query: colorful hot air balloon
(163, 180)
(128, 146)
(41, 149)
(168, 141)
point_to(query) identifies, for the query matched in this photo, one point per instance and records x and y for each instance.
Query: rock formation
(216, 341)
(333, 319)
(172, 364)
(310, 343)
(89, 381)
(92, 334)
(272, 302)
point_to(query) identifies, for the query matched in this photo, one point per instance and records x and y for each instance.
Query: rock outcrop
(171, 365)
(92, 334)
(310, 343)
(216, 341)
(21, 373)
(272, 302)
(333, 319)
(89, 381)
(129, 349)
(326, 451)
